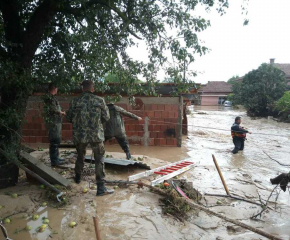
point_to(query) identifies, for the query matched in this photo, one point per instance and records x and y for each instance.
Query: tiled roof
(217, 87)
(285, 67)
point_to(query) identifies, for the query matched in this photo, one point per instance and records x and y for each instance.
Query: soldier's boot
(78, 178)
(53, 153)
(128, 155)
(102, 190)
(58, 158)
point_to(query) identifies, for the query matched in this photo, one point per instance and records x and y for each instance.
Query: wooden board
(42, 170)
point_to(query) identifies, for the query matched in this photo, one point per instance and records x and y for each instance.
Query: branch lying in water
(233, 197)
(284, 165)
(195, 205)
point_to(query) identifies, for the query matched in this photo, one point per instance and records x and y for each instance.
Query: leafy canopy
(259, 89)
(69, 41)
(233, 79)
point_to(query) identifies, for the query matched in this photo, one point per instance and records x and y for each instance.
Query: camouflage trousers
(98, 151)
(54, 135)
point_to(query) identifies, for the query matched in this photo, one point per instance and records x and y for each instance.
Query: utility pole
(184, 70)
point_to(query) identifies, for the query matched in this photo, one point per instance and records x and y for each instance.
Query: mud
(133, 213)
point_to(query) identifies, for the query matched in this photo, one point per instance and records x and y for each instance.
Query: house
(285, 67)
(214, 93)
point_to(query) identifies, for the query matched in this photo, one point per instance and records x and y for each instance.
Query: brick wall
(158, 128)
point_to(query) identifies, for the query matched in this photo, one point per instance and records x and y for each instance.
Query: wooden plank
(42, 170)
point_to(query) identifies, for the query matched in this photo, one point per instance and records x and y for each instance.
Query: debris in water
(45, 221)
(7, 221)
(85, 190)
(72, 224)
(14, 195)
(173, 203)
(28, 228)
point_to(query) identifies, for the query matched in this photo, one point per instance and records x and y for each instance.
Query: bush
(283, 106)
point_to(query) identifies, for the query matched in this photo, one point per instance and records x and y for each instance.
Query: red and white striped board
(166, 172)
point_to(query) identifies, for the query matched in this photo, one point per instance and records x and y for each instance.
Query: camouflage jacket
(51, 110)
(87, 113)
(115, 126)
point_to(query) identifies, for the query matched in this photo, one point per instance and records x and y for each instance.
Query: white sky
(237, 49)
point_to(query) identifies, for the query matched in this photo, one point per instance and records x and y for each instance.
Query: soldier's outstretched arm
(69, 113)
(126, 113)
(105, 114)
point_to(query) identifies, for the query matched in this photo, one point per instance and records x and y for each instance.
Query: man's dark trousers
(123, 142)
(239, 144)
(54, 134)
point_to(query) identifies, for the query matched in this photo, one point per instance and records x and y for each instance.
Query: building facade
(214, 93)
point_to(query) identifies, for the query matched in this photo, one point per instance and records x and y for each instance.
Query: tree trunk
(12, 109)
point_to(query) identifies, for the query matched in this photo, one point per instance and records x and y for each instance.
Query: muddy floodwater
(133, 213)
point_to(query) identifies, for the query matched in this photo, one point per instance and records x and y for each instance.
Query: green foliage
(85, 39)
(283, 107)
(233, 79)
(111, 78)
(235, 97)
(259, 90)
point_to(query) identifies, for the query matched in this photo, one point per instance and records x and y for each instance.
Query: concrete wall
(158, 128)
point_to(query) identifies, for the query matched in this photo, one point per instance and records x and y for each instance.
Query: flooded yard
(133, 213)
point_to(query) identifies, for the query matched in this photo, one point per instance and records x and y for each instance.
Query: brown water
(135, 214)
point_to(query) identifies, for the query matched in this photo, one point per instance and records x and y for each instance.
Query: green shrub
(259, 90)
(283, 104)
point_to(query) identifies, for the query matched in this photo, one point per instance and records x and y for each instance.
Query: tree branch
(12, 27)
(36, 28)
(80, 12)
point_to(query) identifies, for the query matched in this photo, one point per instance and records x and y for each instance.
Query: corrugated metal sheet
(121, 162)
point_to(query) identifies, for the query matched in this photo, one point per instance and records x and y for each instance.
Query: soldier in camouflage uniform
(115, 127)
(53, 123)
(87, 113)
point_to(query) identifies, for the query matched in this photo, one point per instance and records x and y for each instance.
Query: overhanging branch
(80, 12)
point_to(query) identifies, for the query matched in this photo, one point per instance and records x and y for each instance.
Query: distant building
(285, 67)
(214, 93)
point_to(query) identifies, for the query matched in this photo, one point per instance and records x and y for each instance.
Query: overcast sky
(237, 49)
